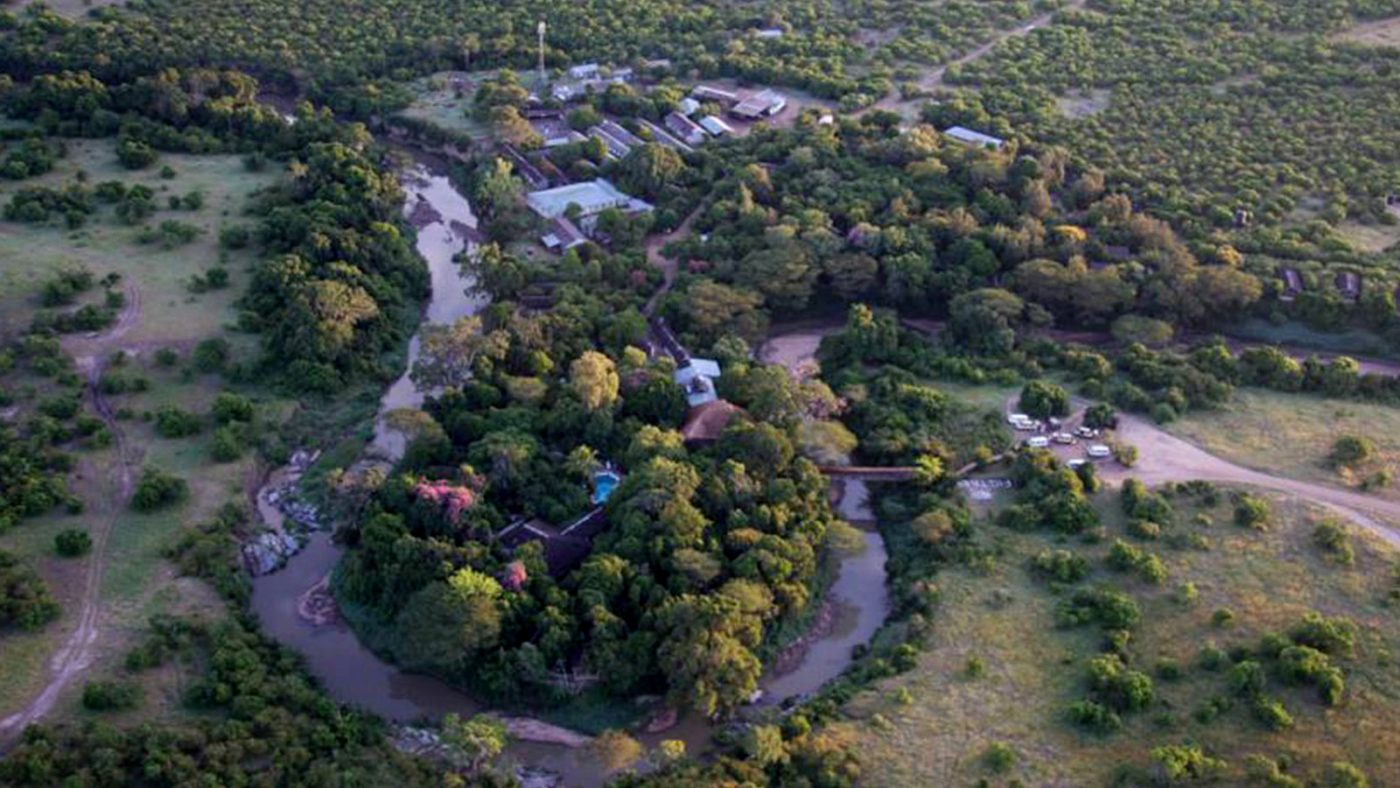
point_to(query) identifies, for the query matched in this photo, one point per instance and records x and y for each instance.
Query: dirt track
(76, 652)
(668, 267)
(1166, 458)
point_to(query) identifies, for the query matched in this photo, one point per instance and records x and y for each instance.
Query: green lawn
(1292, 435)
(137, 581)
(1033, 670)
(105, 245)
(436, 101)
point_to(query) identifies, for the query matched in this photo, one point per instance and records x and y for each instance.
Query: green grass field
(436, 101)
(138, 581)
(1033, 670)
(1292, 434)
(105, 245)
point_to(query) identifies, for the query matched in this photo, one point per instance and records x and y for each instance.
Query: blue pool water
(604, 482)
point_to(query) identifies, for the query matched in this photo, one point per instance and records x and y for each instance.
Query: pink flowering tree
(514, 577)
(453, 499)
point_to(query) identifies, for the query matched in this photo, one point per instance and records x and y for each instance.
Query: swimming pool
(604, 482)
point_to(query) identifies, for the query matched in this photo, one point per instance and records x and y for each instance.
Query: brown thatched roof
(706, 422)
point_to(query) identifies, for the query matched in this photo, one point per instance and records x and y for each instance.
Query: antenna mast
(541, 30)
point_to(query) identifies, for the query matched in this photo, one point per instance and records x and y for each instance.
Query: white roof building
(688, 106)
(698, 380)
(969, 137)
(584, 71)
(592, 198)
(715, 126)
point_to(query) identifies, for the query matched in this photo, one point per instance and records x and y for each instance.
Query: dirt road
(77, 651)
(668, 267)
(934, 79)
(1163, 457)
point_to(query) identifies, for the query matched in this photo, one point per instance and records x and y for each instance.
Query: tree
(1042, 399)
(1144, 330)
(440, 626)
(472, 744)
(593, 379)
(651, 168)
(615, 750)
(72, 542)
(1100, 416)
(448, 354)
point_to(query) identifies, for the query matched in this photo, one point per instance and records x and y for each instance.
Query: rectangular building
(976, 138)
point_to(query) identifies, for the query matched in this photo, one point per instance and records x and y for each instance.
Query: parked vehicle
(1086, 432)
(1038, 442)
(1077, 462)
(1064, 439)
(1099, 451)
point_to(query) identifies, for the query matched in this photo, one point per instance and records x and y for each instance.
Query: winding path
(934, 79)
(1166, 458)
(669, 267)
(76, 653)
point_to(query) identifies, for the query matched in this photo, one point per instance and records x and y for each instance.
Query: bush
(232, 407)
(1041, 399)
(25, 601)
(110, 696)
(1252, 512)
(1101, 416)
(72, 542)
(172, 422)
(1351, 449)
(134, 154)
(1331, 538)
(212, 355)
(999, 757)
(227, 445)
(158, 489)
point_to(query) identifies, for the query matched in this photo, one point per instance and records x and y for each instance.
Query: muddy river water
(354, 675)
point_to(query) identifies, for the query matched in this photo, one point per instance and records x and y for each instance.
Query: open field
(1370, 237)
(1033, 670)
(137, 582)
(105, 245)
(1291, 435)
(1380, 33)
(437, 101)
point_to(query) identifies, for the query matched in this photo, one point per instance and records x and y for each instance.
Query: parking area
(1068, 438)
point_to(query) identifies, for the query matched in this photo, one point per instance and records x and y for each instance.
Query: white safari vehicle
(1099, 451)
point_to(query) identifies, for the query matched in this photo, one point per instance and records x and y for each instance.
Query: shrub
(1094, 716)
(1042, 399)
(110, 696)
(172, 422)
(229, 407)
(1252, 512)
(1178, 763)
(999, 757)
(158, 489)
(211, 355)
(1331, 538)
(227, 445)
(1351, 449)
(1272, 714)
(134, 154)
(1061, 566)
(72, 542)
(1101, 416)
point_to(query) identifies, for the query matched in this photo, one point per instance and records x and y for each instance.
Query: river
(354, 675)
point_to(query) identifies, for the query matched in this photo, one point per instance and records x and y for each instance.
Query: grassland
(437, 100)
(137, 581)
(1291, 435)
(105, 245)
(1380, 33)
(1033, 670)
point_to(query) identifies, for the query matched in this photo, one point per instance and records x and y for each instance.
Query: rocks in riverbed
(426, 743)
(268, 551)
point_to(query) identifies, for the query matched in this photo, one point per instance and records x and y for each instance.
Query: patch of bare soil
(1380, 33)
(317, 605)
(1084, 104)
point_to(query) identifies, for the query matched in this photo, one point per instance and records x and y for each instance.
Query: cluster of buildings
(1347, 284)
(572, 210)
